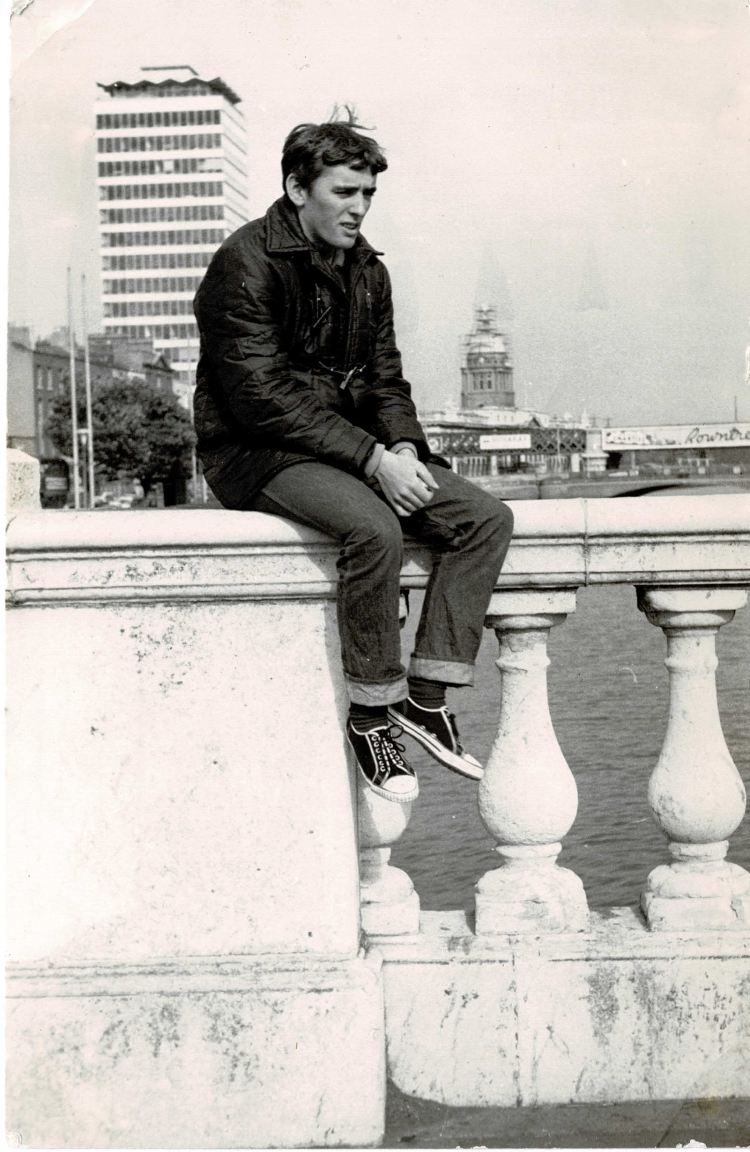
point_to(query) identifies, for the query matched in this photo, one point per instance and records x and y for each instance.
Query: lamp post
(73, 402)
(83, 436)
(89, 417)
(190, 391)
(194, 457)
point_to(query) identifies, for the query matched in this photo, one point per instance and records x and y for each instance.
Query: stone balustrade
(688, 561)
(186, 900)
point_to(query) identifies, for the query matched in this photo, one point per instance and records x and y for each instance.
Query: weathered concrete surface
(170, 740)
(22, 480)
(166, 805)
(171, 735)
(656, 542)
(614, 1014)
(205, 1054)
(556, 544)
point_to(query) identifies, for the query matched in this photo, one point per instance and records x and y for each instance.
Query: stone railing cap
(673, 515)
(550, 519)
(153, 529)
(211, 527)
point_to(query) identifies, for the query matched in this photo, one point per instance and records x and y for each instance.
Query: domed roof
(485, 335)
(486, 342)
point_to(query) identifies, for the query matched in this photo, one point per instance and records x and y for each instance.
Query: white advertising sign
(509, 443)
(678, 436)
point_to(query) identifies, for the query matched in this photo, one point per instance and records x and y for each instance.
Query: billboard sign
(513, 442)
(683, 436)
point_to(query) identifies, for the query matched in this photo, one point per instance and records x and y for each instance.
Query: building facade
(487, 371)
(39, 373)
(22, 427)
(172, 182)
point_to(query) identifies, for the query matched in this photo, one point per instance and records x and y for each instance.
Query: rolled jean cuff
(444, 671)
(374, 695)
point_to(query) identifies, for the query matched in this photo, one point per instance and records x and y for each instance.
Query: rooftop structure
(171, 85)
(172, 180)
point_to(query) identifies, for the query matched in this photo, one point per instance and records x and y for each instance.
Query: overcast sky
(583, 164)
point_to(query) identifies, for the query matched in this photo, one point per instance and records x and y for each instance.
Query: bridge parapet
(185, 893)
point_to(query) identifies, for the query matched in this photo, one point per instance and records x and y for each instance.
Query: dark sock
(427, 693)
(364, 718)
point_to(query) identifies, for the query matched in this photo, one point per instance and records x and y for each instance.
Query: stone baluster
(695, 792)
(389, 906)
(388, 903)
(528, 797)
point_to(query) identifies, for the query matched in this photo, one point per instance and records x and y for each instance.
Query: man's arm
(390, 408)
(238, 309)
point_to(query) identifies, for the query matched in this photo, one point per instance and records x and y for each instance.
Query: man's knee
(496, 524)
(502, 518)
(380, 536)
(493, 513)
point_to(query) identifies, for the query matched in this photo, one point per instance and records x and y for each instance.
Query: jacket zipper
(352, 300)
(352, 317)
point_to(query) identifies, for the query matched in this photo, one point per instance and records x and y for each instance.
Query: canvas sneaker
(381, 762)
(435, 729)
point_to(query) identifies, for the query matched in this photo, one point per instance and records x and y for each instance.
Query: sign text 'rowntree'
(678, 436)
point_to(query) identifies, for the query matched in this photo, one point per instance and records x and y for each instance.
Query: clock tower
(487, 371)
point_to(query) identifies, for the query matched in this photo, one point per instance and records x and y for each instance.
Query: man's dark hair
(309, 148)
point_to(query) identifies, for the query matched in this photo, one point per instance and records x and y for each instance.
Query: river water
(608, 694)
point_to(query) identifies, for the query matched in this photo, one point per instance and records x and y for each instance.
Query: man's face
(332, 209)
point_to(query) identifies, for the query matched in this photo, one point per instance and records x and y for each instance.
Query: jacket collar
(284, 233)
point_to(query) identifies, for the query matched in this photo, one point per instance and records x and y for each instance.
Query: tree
(140, 432)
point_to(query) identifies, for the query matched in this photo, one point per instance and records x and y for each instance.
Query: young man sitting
(302, 410)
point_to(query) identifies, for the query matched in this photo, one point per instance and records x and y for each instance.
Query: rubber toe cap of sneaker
(400, 785)
(471, 760)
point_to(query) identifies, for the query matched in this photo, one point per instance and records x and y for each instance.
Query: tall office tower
(172, 179)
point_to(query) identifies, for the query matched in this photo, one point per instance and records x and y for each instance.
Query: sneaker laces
(451, 718)
(387, 750)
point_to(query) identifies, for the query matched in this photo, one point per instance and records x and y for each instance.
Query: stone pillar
(528, 797)
(389, 904)
(183, 931)
(23, 482)
(695, 792)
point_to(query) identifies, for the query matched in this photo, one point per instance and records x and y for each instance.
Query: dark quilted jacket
(280, 332)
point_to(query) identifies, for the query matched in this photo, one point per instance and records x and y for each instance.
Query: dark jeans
(470, 531)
